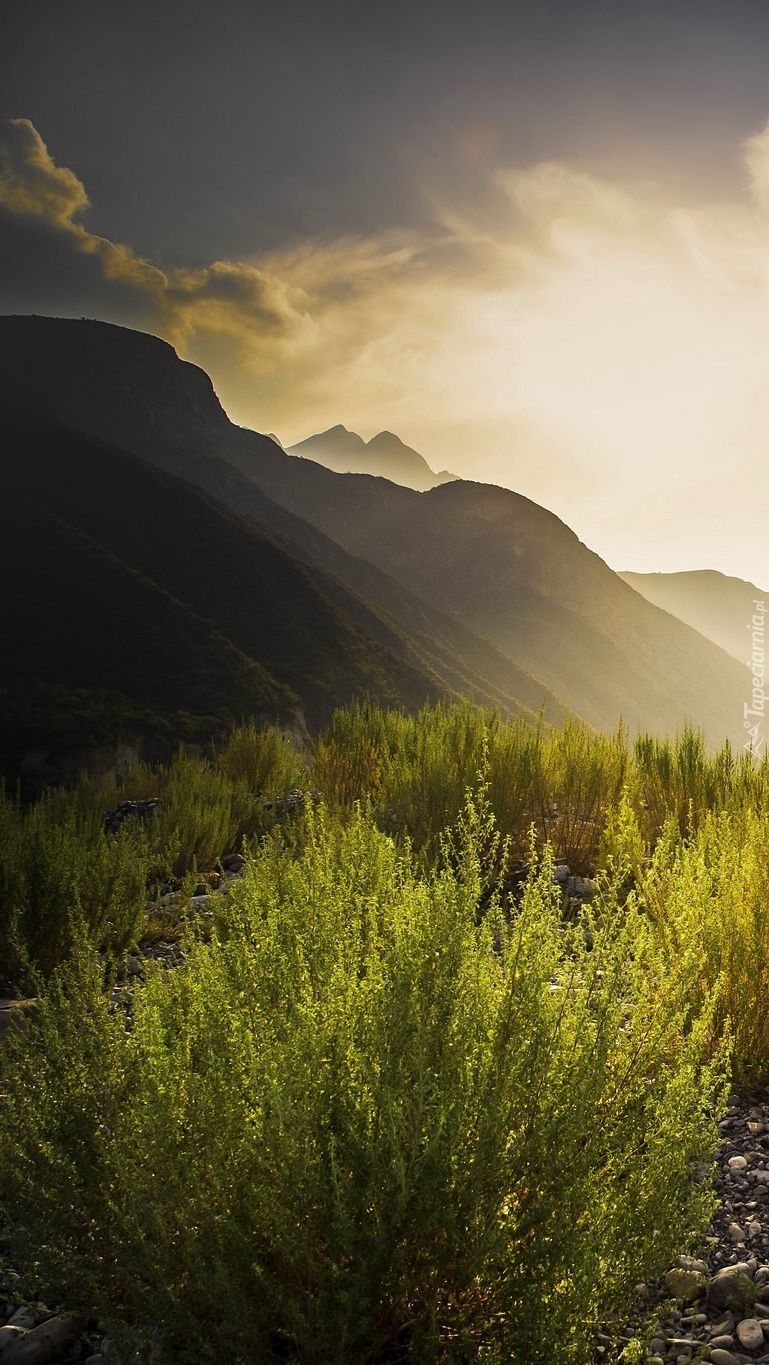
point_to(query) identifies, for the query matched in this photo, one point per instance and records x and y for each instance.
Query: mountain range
(719, 607)
(163, 557)
(385, 455)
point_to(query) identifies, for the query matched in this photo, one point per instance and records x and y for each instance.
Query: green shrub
(64, 882)
(679, 779)
(362, 1126)
(352, 757)
(265, 759)
(10, 865)
(200, 816)
(416, 770)
(707, 897)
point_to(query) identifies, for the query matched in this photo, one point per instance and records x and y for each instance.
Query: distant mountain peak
(387, 436)
(385, 455)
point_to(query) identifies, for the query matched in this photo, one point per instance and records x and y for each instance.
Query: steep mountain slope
(719, 607)
(95, 653)
(385, 455)
(499, 564)
(131, 390)
(239, 589)
(80, 615)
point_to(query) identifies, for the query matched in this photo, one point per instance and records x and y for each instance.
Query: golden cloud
(228, 297)
(31, 183)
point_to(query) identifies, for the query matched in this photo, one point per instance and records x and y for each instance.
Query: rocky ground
(717, 1309)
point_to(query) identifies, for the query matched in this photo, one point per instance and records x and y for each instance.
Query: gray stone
(685, 1285)
(724, 1325)
(39, 1345)
(198, 903)
(15, 1015)
(749, 1334)
(129, 810)
(26, 1316)
(732, 1287)
(722, 1357)
(692, 1263)
(580, 888)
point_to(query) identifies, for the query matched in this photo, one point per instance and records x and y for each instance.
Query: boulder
(733, 1288)
(685, 1285)
(39, 1345)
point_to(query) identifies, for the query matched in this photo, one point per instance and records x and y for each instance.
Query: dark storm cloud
(236, 128)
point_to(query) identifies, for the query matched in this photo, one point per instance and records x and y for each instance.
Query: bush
(361, 1125)
(707, 897)
(65, 882)
(10, 864)
(265, 759)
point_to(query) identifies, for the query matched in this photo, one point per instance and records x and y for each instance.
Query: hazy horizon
(533, 245)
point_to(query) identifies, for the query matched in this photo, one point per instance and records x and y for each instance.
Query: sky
(531, 239)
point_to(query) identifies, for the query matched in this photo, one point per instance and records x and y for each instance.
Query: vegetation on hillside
(407, 1095)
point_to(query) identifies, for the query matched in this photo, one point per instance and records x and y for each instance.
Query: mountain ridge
(717, 605)
(485, 558)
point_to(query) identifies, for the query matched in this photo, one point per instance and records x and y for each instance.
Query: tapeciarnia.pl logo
(754, 710)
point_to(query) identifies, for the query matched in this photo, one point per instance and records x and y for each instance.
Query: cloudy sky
(530, 238)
